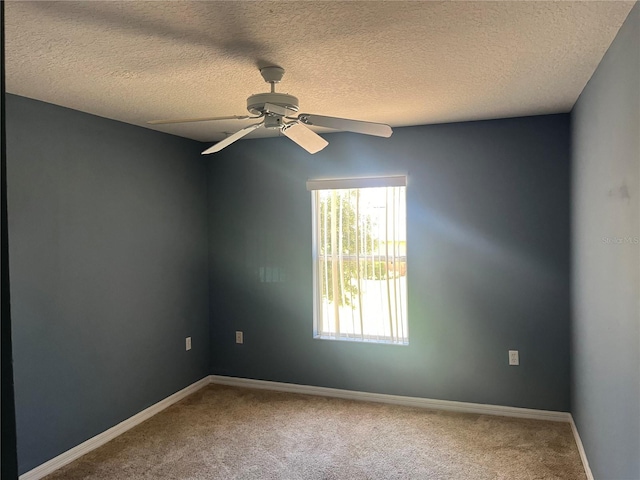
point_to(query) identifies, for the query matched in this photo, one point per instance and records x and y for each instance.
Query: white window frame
(335, 184)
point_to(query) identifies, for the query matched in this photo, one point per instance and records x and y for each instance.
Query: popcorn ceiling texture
(402, 63)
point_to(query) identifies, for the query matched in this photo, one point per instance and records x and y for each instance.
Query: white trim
(583, 454)
(357, 182)
(102, 438)
(448, 405)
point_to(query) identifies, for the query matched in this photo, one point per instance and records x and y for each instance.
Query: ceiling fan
(276, 111)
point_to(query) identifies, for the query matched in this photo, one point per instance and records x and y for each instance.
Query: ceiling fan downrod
(272, 75)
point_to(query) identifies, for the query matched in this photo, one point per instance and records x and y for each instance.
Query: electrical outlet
(239, 337)
(188, 343)
(514, 357)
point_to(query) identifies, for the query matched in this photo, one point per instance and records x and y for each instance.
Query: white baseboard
(102, 438)
(583, 454)
(448, 405)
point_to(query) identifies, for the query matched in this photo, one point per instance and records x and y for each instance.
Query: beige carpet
(235, 433)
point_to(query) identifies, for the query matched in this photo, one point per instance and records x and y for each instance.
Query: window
(360, 259)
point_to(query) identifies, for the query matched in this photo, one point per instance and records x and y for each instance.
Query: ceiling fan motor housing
(255, 103)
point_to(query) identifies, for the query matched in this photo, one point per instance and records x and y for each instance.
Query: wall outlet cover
(188, 343)
(239, 337)
(514, 357)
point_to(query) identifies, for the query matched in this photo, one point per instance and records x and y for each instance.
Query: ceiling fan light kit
(277, 109)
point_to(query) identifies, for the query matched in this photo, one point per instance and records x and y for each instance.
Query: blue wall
(9, 463)
(111, 227)
(108, 254)
(488, 262)
(606, 259)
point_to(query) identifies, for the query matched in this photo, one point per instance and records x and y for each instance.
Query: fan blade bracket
(277, 110)
(347, 125)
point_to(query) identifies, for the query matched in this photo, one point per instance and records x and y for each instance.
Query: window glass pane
(360, 264)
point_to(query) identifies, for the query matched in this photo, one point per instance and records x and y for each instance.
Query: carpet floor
(230, 433)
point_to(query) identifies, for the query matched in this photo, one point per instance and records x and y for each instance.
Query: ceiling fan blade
(305, 137)
(206, 119)
(356, 126)
(232, 138)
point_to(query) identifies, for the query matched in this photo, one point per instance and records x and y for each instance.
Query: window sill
(381, 341)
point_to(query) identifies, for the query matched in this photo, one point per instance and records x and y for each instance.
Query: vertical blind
(360, 259)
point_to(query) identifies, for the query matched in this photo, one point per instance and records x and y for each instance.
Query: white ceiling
(397, 62)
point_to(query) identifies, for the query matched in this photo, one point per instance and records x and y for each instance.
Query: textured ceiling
(397, 62)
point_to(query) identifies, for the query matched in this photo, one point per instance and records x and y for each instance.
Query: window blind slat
(386, 254)
(358, 262)
(326, 263)
(393, 262)
(398, 299)
(334, 262)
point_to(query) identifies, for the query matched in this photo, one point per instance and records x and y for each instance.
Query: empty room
(321, 240)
